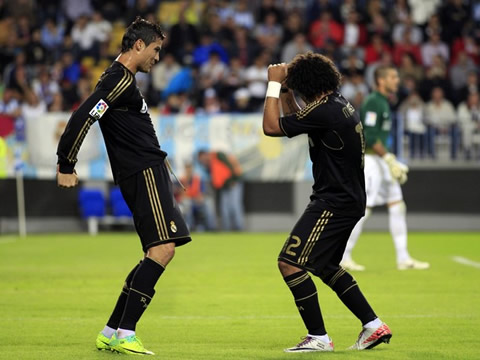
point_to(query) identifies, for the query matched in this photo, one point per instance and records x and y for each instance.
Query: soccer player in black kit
(139, 168)
(317, 241)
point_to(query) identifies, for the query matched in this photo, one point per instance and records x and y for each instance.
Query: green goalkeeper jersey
(377, 120)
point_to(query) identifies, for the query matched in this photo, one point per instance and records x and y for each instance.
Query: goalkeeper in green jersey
(383, 172)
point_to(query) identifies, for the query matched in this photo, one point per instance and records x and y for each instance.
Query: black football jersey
(337, 149)
(122, 112)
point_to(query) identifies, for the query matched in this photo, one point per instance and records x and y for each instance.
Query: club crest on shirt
(99, 109)
(144, 108)
(173, 227)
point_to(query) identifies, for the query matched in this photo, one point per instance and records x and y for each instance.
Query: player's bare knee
(162, 253)
(287, 269)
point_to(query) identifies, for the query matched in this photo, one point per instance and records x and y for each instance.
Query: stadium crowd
(215, 58)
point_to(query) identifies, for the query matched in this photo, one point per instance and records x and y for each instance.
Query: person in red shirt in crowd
(323, 29)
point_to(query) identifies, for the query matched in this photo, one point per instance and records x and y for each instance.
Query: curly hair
(141, 29)
(312, 74)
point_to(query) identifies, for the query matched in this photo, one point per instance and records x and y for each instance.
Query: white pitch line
(465, 261)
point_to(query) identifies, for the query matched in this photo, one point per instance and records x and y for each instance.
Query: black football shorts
(318, 239)
(157, 218)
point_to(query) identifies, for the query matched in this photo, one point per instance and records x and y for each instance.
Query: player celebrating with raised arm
(317, 241)
(383, 173)
(138, 166)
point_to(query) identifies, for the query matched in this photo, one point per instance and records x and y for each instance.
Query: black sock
(141, 292)
(348, 291)
(305, 293)
(122, 300)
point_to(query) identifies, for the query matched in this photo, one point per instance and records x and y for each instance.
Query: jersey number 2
(293, 245)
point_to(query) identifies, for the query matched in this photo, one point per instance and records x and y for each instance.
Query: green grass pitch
(223, 298)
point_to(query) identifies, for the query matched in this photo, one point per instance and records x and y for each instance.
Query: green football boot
(102, 342)
(128, 345)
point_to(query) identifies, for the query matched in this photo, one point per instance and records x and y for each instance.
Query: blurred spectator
(182, 36)
(472, 86)
(269, 33)
(9, 111)
(197, 202)
(102, 27)
(352, 65)
(71, 68)
(412, 111)
(256, 78)
(434, 26)
(454, 15)
(207, 45)
(73, 9)
(211, 103)
(441, 118)
(354, 36)
(299, 45)
(379, 26)
(44, 87)
(406, 46)
(24, 31)
(10, 75)
(213, 71)
(436, 76)
(434, 46)
(244, 46)
(225, 174)
(325, 28)
(84, 36)
(469, 122)
(57, 103)
(347, 8)
(222, 32)
(241, 101)
(269, 6)
(37, 54)
(234, 78)
(141, 8)
(422, 10)
(466, 44)
(242, 16)
(414, 32)
(354, 89)
(385, 59)
(32, 107)
(162, 74)
(375, 50)
(52, 37)
(177, 103)
(409, 67)
(459, 74)
(316, 8)
(400, 13)
(292, 26)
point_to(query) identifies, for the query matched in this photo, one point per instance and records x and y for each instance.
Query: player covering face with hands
(318, 239)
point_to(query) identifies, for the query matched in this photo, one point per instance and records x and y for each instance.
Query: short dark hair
(381, 72)
(141, 29)
(312, 74)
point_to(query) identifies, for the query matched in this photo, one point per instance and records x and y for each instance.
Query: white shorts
(381, 189)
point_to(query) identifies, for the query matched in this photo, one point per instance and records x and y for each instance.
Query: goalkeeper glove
(397, 169)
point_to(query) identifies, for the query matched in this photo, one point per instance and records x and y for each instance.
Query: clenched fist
(277, 72)
(66, 180)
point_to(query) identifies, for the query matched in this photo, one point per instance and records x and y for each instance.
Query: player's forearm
(271, 116)
(73, 136)
(289, 103)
